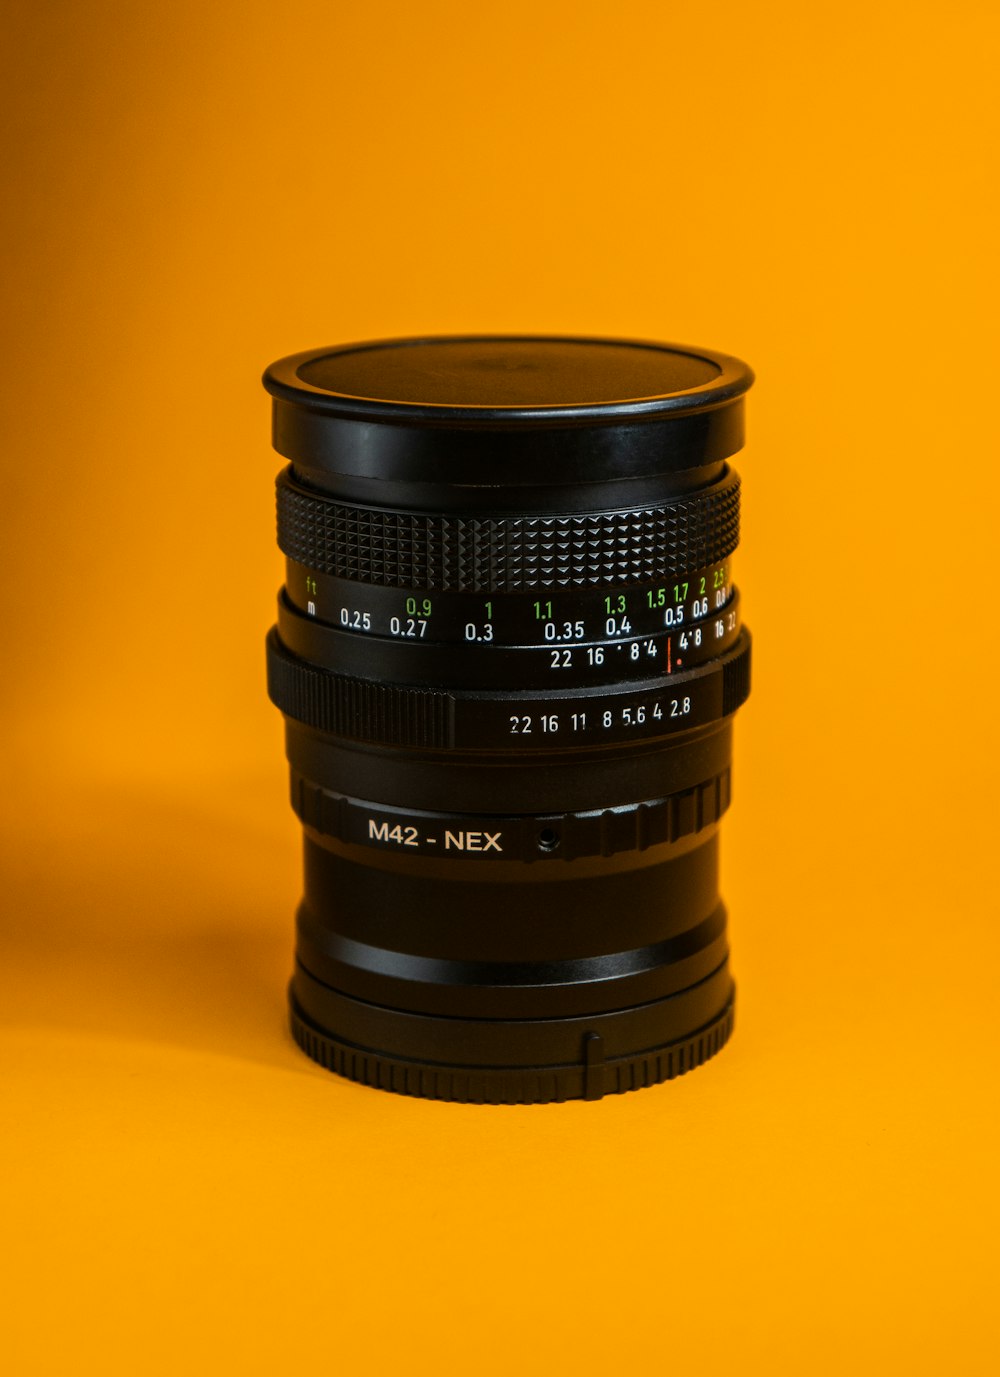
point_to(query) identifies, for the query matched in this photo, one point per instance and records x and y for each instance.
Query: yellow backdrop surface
(191, 190)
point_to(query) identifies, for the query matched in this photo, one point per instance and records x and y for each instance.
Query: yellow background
(191, 190)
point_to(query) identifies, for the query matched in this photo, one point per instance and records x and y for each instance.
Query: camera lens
(508, 653)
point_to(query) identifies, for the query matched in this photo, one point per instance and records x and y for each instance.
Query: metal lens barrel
(508, 653)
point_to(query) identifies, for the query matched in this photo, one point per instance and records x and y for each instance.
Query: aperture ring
(404, 549)
(360, 709)
(393, 715)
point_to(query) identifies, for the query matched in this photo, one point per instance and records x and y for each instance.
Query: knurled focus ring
(507, 553)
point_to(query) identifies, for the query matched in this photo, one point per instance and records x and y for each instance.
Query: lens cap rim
(283, 380)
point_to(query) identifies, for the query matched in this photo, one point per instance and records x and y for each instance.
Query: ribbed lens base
(591, 1078)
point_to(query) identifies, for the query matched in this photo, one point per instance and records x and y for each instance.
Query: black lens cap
(490, 411)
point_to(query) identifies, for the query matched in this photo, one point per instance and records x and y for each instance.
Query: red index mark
(669, 667)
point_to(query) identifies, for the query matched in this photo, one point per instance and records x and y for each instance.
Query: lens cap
(491, 411)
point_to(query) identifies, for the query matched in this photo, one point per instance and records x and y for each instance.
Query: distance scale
(500, 665)
(561, 616)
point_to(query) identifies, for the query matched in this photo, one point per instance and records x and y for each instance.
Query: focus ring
(507, 553)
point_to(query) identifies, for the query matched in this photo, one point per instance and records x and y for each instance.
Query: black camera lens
(508, 653)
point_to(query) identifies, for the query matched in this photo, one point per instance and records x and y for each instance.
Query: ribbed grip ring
(358, 708)
(505, 554)
(367, 710)
(590, 1080)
